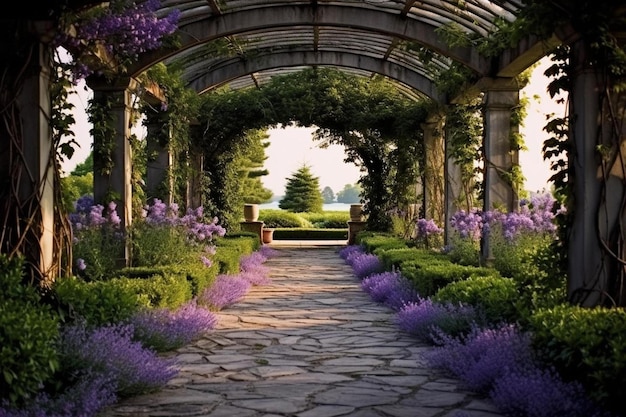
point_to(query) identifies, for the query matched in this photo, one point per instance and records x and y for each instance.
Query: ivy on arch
(378, 127)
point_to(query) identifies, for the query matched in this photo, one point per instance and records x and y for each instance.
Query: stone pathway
(310, 344)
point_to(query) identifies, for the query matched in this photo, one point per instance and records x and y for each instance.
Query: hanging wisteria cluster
(124, 29)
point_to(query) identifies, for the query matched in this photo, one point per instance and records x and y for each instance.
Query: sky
(290, 148)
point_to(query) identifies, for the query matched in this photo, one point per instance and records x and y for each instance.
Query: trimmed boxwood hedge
(310, 234)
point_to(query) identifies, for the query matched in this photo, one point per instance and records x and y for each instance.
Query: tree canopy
(302, 192)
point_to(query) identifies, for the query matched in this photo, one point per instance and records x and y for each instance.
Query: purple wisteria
(124, 28)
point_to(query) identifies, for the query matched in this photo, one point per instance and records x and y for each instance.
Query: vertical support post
(35, 186)
(194, 182)
(434, 150)
(113, 164)
(159, 181)
(501, 97)
(596, 238)
(453, 188)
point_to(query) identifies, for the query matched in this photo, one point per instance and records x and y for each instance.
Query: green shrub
(165, 290)
(101, 249)
(588, 345)
(230, 250)
(395, 257)
(375, 240)
(429, 277)
(281, 218)
(161, 245)
(310, 234)
(98, 302)
(464, 251)
(28, 332)
(198, 275)
(328, 219)
(495, 296)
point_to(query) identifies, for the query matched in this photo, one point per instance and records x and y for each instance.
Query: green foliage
(328, 195)
(98, 302)
(73, 187)
(430, 276)
(375, 241)
(280, 218)
(163, 290)
(28, 331)
(101, 248)
(230, 250)
(161, 245)
(464, 251)
(302, 192)
(310, 234)
(250, 164)
(328, 219)
(495, 296)
(85, 167)
(394, 258)
(350, 194)
(587, 345)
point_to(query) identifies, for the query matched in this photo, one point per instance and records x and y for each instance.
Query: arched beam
(355, 16)
(235, 68)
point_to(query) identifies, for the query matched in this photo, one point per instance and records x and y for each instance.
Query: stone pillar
(501, 97)
(434, 167)
(454, 188)
(596, 235)
(195, 179)
(113, 163)
(35, 184)
(159, 180)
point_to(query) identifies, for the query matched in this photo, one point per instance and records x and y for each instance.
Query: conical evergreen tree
(302, 192)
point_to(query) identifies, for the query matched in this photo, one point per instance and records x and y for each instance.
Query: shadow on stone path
(309, 344)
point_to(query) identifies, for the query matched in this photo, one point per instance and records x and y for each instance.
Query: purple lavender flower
(484, 355)
(165, 330)
(110, 351)
(427, 319)
(80, 264)
(225, 291)
(541, 393)
(380, 285)
(349, 250)
(366, 264)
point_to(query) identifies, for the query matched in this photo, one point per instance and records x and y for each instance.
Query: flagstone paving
(309, 344)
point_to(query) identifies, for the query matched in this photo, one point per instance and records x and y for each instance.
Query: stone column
(35, 184)
(501, 97)
(596, 237)
(159, 180)
(113, 165)
(434, 167)
(453, 186)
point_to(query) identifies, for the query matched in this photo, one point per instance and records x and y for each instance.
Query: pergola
(243, 43)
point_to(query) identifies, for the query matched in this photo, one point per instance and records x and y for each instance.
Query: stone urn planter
(356, 213)
(251, 212)
(268, 235)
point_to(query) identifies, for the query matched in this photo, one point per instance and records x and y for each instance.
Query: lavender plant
(389, 288)
(88, 396)
(165, 330)
(164, 237)
(110, 352)
(427, 320)
(365, 264)
(98, 240)
(479, 358)
(225, 291)
(428, 234)
(539, 392)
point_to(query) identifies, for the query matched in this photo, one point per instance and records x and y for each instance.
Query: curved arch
(267, 18)
(232, 69)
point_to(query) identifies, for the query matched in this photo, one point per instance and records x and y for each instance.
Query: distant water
(326, 207)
